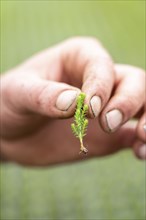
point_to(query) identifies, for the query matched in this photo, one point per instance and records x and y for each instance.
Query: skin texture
(35, 132)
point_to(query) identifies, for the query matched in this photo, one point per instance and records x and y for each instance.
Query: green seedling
(79, 127)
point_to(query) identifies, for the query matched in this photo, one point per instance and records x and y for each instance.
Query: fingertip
(66, 99)
(111, 120)
(141, 128)
(139, 149)
(142, 152)
(95, 104)
(53, 99)
(66, 102)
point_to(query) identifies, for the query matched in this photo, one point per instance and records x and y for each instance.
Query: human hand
(40, 93)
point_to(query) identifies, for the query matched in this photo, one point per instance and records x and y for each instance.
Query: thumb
(53, 99)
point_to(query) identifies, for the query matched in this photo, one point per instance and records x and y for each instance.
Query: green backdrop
(105, 188)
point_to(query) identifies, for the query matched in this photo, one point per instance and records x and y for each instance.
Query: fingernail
(66, 99)
(142, 152)
(95, 104)
(114, 119)
(144, 127)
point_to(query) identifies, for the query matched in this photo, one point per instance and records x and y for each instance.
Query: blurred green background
(106, 188)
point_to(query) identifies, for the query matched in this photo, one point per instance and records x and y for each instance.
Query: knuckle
(37, 96)
(83, 41)
(132, 70)
(128, 104)
(133, 103)
(138, 73)
(91, 39)
(103, 91)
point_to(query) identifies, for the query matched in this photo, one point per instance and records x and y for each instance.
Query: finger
(141, 128)
(81, 62)
(57, 100)
(139, 146)
(89, 66)
(127, 99)
(139, 149)
(123, 138)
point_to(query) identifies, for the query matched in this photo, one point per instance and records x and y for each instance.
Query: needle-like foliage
(79, 127)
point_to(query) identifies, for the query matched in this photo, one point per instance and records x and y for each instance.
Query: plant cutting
(79, 127)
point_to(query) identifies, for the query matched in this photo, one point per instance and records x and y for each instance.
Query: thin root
(83, 150)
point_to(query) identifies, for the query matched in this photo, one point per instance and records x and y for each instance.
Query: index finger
(89, 66)
(81, 62)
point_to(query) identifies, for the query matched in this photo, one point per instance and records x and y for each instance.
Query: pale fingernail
(142, 152)
(95, 104)
(114, 119)
(144, 127)
(66, 99)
